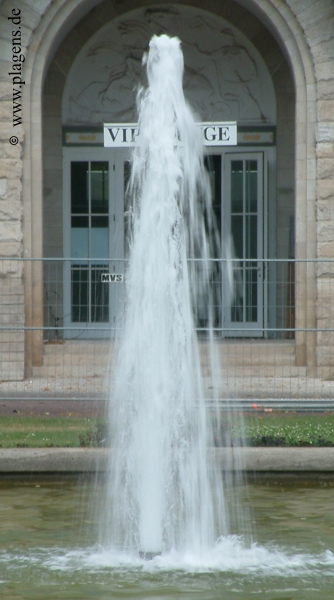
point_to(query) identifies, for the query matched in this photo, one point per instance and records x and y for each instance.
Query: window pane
(79, 289)
(213, 166)
(251, 186)
(100, 222)
(237, 186)
(99, 179)
(99, 237)
(79, 187)
(251, 236)
(251, 292)
(237, 230)
(237, 308)
(79, 222)
(99, 296)
(79, 237)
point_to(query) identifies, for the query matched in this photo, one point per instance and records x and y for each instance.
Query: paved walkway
(55, 408)
(81, 371)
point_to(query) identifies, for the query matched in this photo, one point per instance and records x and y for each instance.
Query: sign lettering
(124, 135)
(112, 277)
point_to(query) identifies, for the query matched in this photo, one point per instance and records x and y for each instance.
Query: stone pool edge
(91, 460)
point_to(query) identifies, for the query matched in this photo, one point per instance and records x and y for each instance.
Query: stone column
(18, 21)
(325, 245)
(317, 21)
(324, 60)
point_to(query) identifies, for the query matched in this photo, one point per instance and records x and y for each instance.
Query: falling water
(162, 494)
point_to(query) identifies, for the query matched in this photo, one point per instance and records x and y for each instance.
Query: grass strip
(43, 432)
(274, 429)
(287, 430)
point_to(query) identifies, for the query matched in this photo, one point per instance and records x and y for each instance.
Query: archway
(47, 36)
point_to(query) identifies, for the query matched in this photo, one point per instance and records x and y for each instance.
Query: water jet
(160, 494)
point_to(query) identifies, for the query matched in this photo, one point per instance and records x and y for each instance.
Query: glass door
(243, 208)
(93, 242)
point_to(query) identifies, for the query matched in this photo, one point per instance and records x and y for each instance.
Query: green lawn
(276, 429)
(287, 429)
(43, 432)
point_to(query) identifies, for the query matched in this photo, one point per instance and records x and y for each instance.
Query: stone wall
(317, 22)
(11, 267)
(26, 16)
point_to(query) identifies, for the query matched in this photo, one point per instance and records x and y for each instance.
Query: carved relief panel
(225, 78)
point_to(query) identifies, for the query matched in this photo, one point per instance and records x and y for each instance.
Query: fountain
(161, 494)
(162, 501)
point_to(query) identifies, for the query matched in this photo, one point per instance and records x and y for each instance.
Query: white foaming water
(229, 555)
(231, 569)
(161, 494)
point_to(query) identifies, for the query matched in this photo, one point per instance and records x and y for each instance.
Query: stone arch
(58, 19)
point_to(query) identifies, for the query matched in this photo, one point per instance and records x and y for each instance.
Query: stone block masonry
(11, 318)
(16, 26)
(324, 140)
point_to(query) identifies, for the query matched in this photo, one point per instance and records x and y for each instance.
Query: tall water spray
(161, 493)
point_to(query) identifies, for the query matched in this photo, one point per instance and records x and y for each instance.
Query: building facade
(68, 66)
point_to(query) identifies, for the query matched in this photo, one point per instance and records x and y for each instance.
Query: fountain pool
(47, 536)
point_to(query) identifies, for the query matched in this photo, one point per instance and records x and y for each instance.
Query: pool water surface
(49, 550)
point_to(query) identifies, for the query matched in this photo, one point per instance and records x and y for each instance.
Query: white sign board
(124, 135)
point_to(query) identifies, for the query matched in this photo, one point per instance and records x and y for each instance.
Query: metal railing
(274, 328)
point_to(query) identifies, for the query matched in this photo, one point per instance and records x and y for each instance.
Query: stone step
(84, 370)
(252, 354)
(254, 374)
(76, 361)
(242, 357)
(89, 353)
(84, 347)
(278, 371)
(70, 370)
